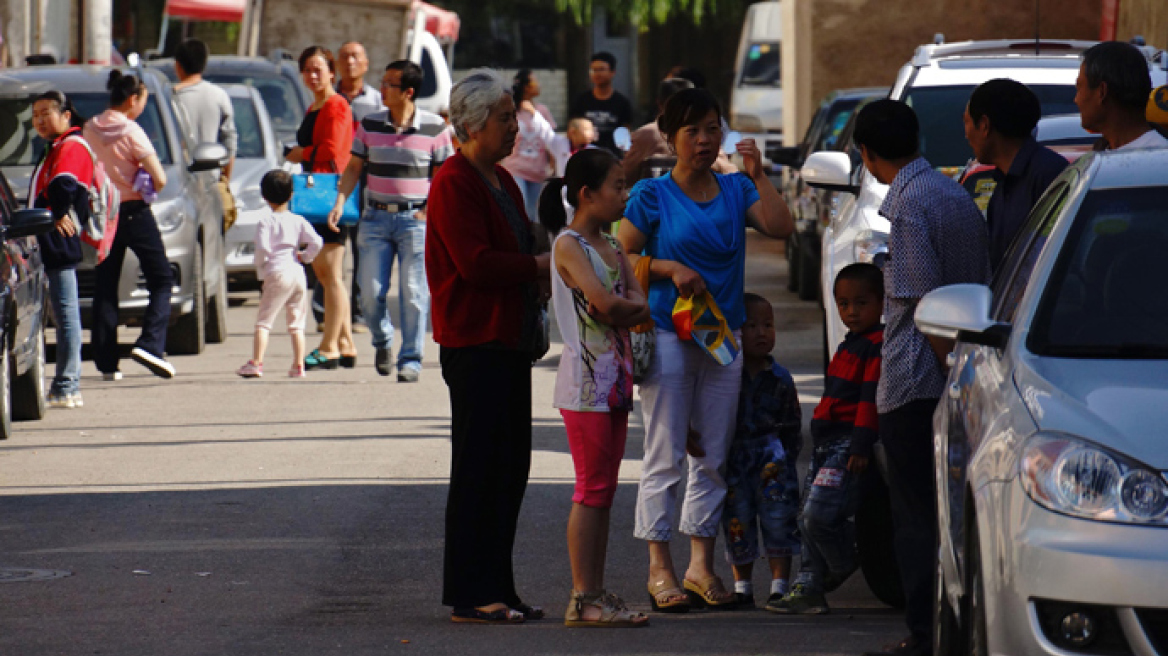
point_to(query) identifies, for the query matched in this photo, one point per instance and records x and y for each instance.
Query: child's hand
(857, 464)
(693, 444)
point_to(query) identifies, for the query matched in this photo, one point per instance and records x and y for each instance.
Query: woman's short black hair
(587, 168)
(864, 273)
(276, 186)
(122, 87)
(519, 86)
(63, 105)
(1012, 107)
(321, 51)
(889, 128)
(687, 107)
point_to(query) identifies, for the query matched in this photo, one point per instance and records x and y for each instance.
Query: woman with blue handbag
(323, 142)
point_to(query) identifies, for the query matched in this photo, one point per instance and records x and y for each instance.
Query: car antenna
(1037, 14)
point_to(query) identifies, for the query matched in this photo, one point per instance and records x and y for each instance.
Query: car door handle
(954, 391)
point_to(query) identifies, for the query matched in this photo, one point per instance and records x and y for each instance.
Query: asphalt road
(214, 515)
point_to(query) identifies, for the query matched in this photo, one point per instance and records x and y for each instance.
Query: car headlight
(168, 214)
(871, 246)
(1075, 477)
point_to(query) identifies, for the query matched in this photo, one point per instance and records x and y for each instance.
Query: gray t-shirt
(207, 112)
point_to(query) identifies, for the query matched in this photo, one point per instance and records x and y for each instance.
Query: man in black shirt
(999, 120)
(606, 107)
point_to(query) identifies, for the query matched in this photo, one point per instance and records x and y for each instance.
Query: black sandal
(530, 612)
(348, 361)
(475, 616)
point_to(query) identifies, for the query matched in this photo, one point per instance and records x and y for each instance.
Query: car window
(834, 124)
(279, 96)
(1010, 283)
(7, 201)
(247, 126)
(24, 146)
(760, 65)
(429, 77)
(940, 111)
(813, 131)
(1105, 295)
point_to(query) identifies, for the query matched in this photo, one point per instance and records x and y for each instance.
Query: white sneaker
(157, 365)
(74, 400)
(111, 375)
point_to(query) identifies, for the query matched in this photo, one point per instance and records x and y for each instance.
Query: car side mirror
(786, 155)
(830, 170)
(208, 157)
(27, 223)
(962, 313)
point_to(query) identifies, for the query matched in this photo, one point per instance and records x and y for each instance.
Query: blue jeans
(383, 236)
(831, 496)
(762, 492)
(67, 317)
(531, 191)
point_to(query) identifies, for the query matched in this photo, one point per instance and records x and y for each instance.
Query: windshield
(940, 111)
(1105, 296)
(23, 146)
(760, 68)
(279, 96)
(247, 125)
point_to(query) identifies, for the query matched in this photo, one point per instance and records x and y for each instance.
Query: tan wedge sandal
(614, 614)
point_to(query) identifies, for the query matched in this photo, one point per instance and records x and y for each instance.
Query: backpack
(104, 199)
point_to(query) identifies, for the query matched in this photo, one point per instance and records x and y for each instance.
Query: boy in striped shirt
(844, 428)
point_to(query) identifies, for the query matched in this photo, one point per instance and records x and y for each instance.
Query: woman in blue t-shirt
(692, 222)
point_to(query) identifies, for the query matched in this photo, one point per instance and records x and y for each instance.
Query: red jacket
(332, 137)
(473, 261)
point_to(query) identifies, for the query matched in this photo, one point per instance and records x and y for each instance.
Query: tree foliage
(642, 12)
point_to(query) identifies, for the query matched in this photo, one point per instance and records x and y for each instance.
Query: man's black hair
(606, 57)
(276, 186)
(889, 128)
(1125, 70)
(192, 56)
(668, 87)
(864, 273)
(411, 75)
(690, 73)
(1011, 106)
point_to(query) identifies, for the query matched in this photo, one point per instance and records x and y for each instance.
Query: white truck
(756, 101)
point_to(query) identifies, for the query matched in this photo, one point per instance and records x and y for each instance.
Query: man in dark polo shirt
(937, 237)
(999, 121)
(606, 107)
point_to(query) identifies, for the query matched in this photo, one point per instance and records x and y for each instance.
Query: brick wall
(553, 90)
(1147, 18)
(296, 24)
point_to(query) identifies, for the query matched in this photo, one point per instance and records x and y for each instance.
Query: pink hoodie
(120, 144)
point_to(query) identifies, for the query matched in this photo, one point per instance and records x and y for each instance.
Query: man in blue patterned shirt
(937, 237)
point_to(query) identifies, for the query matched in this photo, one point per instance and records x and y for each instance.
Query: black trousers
(137, 231)
(490, 402)
(907, 435)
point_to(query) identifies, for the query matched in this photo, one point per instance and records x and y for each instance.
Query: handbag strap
(641, 271)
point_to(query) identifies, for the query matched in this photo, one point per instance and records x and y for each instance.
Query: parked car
(277, 78)
(937, 83)
(1050, 455)
(259, 152)
(808, 205)
(189, 211)
(24, 307)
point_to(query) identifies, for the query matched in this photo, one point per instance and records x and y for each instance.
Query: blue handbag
(314, 194)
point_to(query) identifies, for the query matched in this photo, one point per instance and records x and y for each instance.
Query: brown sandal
(614, 614)
(705, 594)
(667, 589)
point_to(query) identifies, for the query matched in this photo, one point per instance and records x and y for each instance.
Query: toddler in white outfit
(283, 243)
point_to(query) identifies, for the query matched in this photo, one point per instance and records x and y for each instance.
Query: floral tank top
(596, 366)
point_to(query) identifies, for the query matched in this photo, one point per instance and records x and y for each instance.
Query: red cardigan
(473, 261)
(332, 137)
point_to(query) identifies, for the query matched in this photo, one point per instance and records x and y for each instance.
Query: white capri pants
(684, 387)
(284, 289)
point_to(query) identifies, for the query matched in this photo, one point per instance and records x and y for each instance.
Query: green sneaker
(799, 602)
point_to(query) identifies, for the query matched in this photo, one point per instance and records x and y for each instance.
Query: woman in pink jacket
(530, 162)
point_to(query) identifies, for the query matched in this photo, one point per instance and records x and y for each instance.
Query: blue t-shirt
(709, 238)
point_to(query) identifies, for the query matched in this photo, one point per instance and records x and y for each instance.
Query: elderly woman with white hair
(485, 287)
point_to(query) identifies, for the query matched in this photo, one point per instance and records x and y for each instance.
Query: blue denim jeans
(67, 317)
(831, 496)
(531, 191)
(762, 492)
(383, 236)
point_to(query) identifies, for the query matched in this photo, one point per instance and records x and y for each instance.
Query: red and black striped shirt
(848, 407)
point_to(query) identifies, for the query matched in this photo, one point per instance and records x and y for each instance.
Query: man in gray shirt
(206, 113)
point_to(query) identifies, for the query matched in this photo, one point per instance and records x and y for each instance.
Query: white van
(756, 101)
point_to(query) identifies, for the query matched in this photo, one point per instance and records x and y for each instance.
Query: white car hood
(1118, 404)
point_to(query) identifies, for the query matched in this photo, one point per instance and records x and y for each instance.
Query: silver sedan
(1051, 446)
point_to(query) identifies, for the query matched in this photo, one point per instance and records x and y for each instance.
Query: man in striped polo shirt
(398, 150)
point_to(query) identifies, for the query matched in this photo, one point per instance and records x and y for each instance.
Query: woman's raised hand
(751, 157)
(687, 281)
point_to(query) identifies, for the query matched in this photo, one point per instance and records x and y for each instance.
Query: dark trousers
(490, 403)
(907, 435)
(138, 232)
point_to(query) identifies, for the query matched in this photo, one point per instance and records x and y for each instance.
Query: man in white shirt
(1112, 95)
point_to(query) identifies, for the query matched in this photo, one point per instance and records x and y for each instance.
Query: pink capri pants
(284, 289)
(597, 443)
